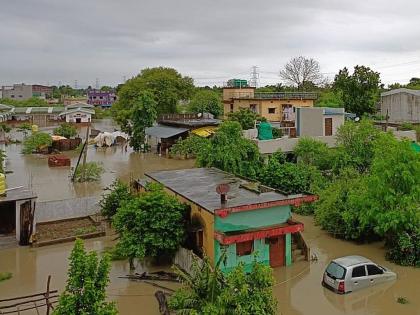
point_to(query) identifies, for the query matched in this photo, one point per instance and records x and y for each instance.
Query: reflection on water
(298, 288)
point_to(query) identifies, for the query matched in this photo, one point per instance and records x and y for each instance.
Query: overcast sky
(57, 41)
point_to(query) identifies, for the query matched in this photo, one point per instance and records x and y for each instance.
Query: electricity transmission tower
(254, 76)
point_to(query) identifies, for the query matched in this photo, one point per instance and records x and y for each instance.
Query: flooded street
(53, 183)
(298, 288)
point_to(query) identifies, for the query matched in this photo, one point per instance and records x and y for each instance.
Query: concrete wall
(18, 92)
(263, 105)
(65, 209)
(310, 121)
(402, 107)
(288, 144)
(337, 121)
(229, 93)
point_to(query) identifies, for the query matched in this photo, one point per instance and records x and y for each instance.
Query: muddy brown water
(298, 288)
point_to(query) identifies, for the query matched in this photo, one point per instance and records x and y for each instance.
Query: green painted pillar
(288, 246)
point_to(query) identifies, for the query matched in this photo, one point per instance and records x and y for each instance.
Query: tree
(65, 130)
(119, 193)
(359, 91)
(143, 115)
(106, 88)
(328, 98)
(150, 225)
(301, 71)
(209, 291)
(86, 284)
(291, 178)
(166, 85)
(206, 101)
(355, 143)
(36, 142)
(313, 152)
(245, 117)
(228, 150)
(191, 146)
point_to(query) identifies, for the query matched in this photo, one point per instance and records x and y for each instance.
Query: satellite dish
(222, 189)
(357, 119)
(199, 115)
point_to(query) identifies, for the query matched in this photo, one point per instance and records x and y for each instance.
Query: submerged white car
(351, 273)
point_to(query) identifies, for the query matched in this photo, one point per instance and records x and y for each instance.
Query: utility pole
(75, 84)
(97, 83)
(85, 153)
(254, 76)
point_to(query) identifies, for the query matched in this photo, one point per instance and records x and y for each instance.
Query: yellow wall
(264, 105)
(208, 221)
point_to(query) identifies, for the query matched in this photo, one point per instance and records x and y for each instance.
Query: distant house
(401, 105)
(172, 127)
(247, 221)
(23, 91)
(99, 98)
(78, 113)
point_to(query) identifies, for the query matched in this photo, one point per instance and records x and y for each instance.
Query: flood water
(53, 183)
(298, 288)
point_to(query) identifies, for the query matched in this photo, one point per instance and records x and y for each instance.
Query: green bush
(89, 172)
(36, 142)
(277, 133)
(191, 146)
(405, 249)
(5, 276)
(119, 192)
(65, 130)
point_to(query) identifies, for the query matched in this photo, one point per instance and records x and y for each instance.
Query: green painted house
(230, 214)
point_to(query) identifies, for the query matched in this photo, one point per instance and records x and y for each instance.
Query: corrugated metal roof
(402, 90)
(160, 131)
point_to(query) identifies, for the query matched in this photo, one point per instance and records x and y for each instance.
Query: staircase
(300, 250)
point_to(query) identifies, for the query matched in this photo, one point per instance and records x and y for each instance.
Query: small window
(244, 248)
(374, 270)
(359, 272)
(12, 96)
(231, 108)
(272, 110)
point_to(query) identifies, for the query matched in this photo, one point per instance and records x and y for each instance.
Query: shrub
(66, 130)
(191, 146)
(36, 142)
(277, 133)
(5, 276)
(89, 172)
(405, 249)
(119, 192)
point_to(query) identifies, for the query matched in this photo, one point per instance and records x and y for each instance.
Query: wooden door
(26, 220)
(277, 251)
(328, 126)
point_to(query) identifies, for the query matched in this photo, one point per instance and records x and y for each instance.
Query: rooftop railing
(279, 95)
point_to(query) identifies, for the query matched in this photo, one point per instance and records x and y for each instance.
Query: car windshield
(335, 271)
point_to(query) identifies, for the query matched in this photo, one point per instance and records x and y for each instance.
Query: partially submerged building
(17, 207)
(246, 220)
(172, 127)
(21, 92)
(401, 105)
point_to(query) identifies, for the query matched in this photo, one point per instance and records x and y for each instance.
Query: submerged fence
(66, 209)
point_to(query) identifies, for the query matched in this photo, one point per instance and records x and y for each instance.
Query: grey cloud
(50, 41)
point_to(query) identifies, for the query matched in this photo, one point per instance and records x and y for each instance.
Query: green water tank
(265, 131)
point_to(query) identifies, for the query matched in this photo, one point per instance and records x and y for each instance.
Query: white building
(78, 113)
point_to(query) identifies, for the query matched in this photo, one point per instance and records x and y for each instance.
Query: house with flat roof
(230, 214)
(275, 107)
